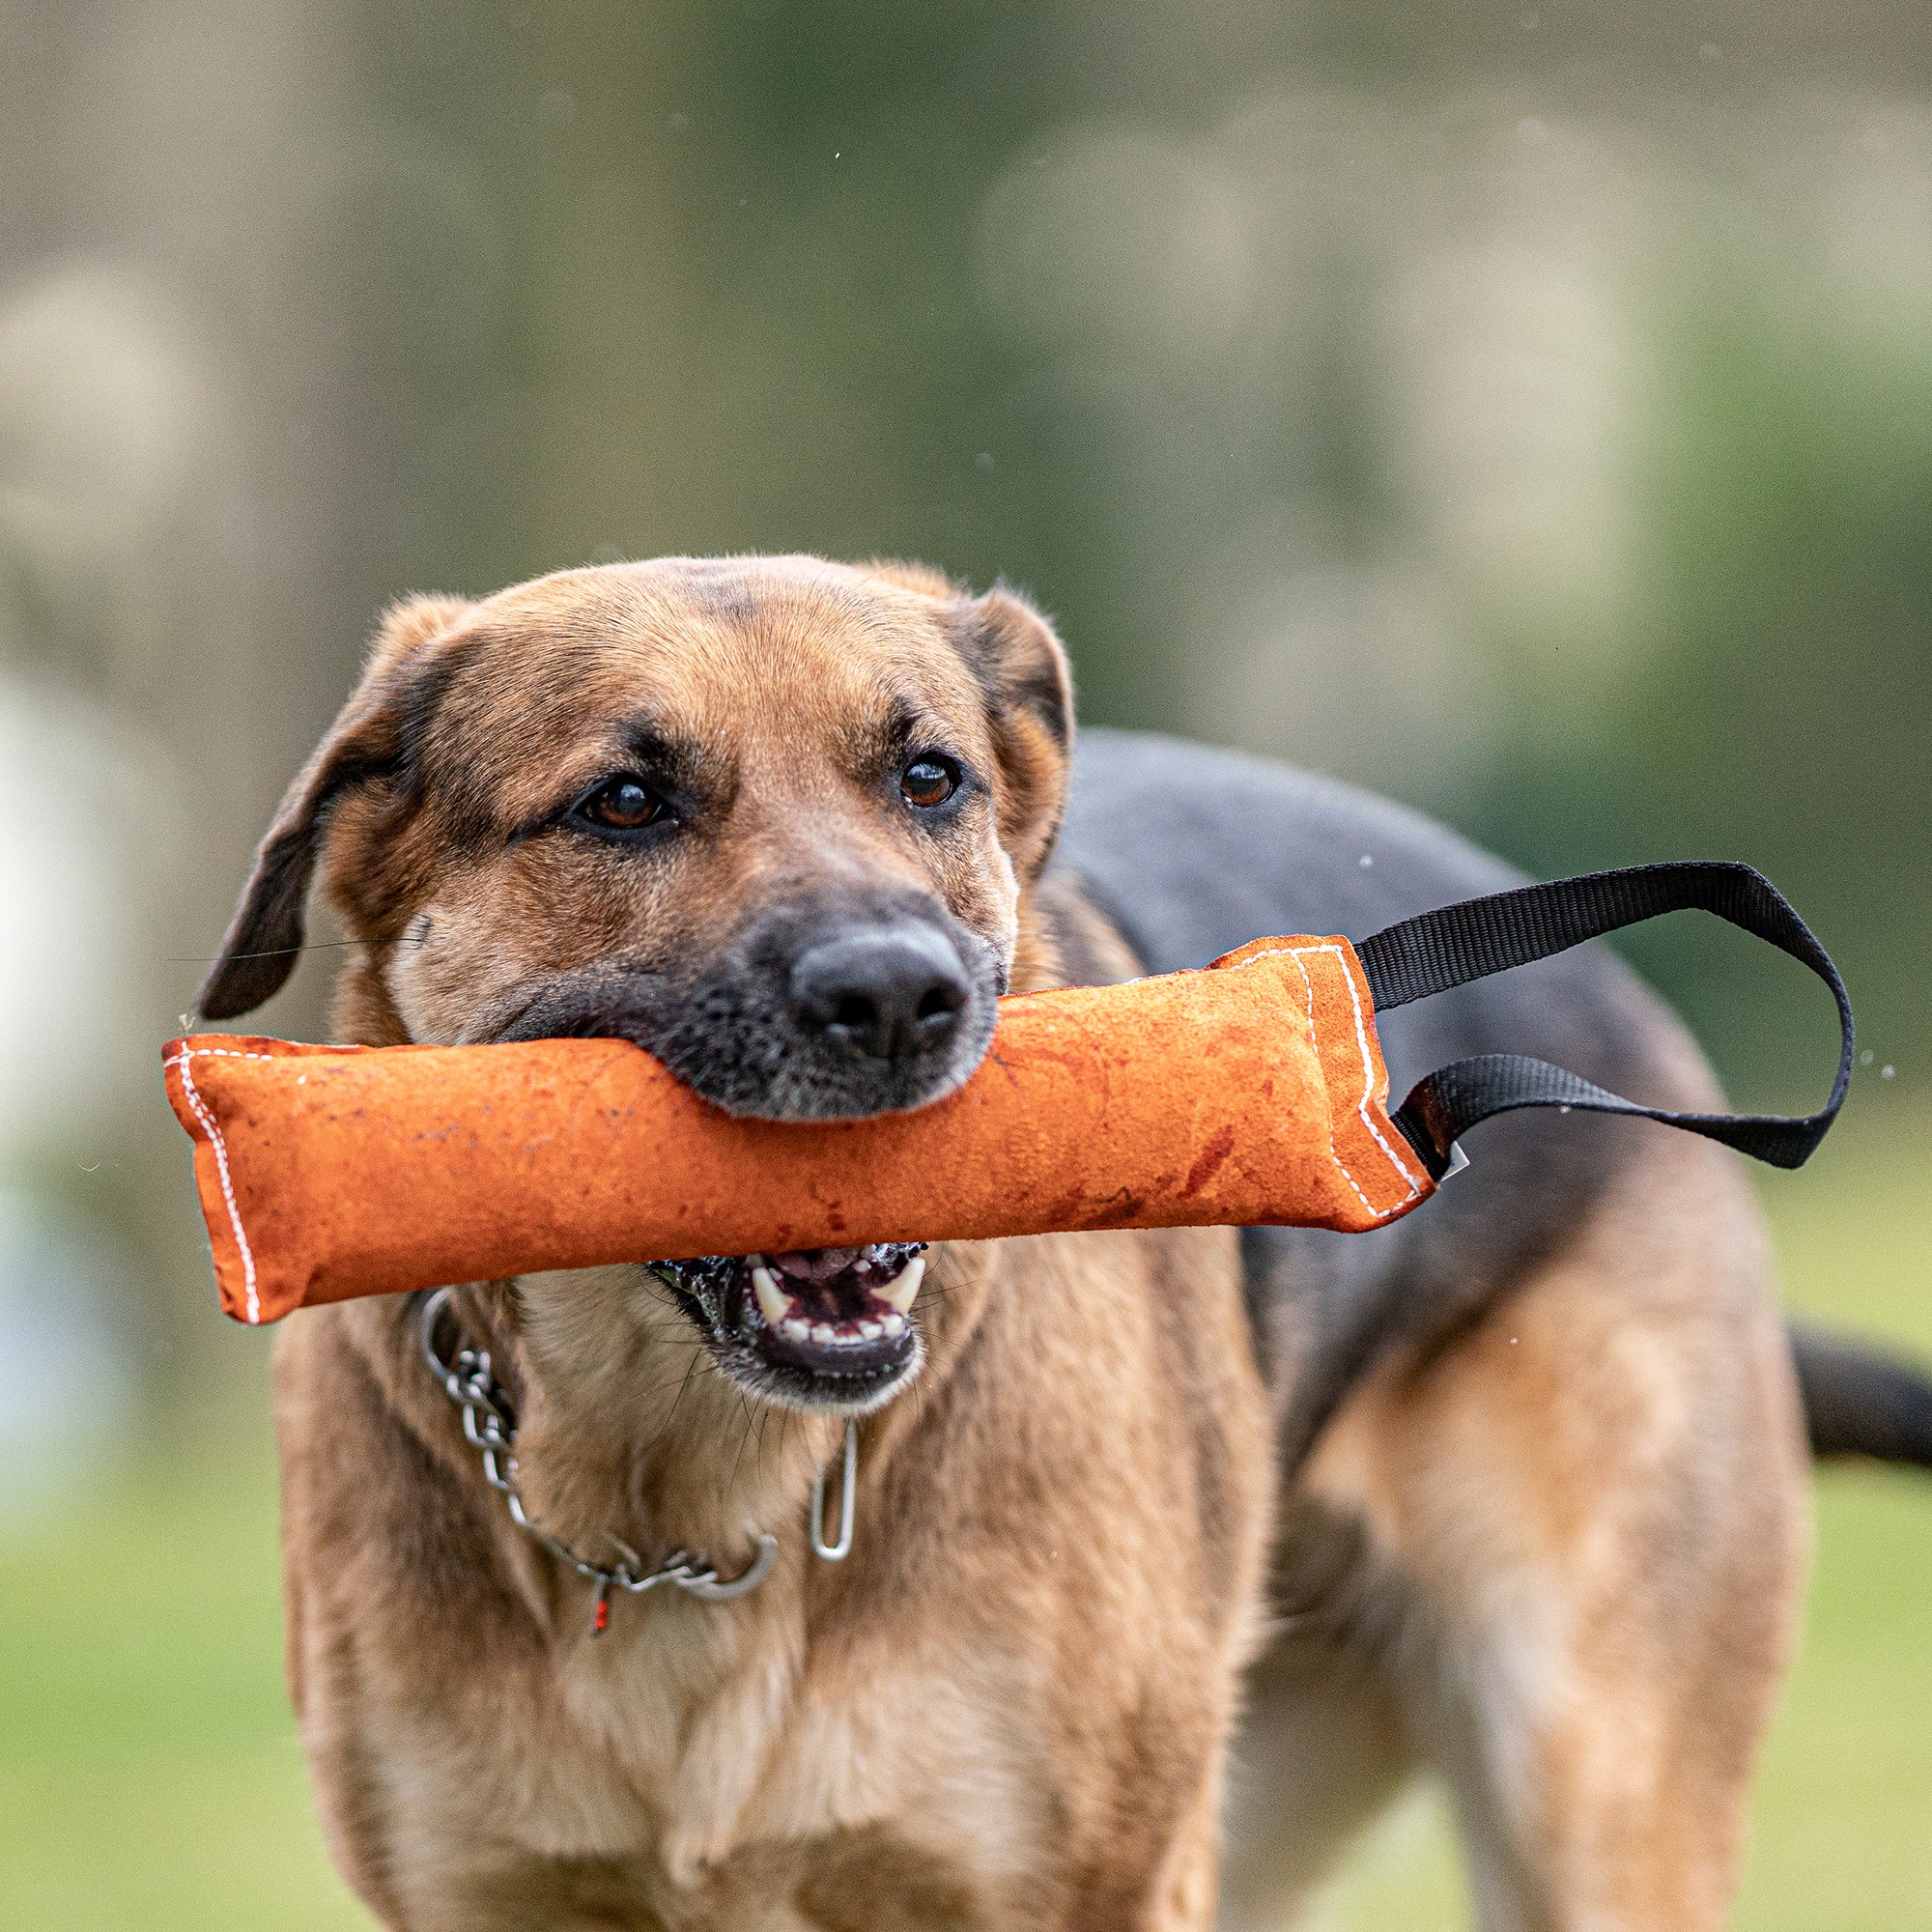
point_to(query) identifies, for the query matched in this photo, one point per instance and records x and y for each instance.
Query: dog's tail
(1861, 1400)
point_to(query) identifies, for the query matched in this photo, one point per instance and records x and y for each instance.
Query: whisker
(283, 951)
(697, 1356)
(700, 1359)
(668, 1381)
(732, 1484)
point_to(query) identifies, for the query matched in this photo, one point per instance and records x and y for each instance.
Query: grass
(149, 1777)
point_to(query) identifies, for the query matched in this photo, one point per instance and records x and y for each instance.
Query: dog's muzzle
(814, 1014)
(822, 1328)
(807, 1017)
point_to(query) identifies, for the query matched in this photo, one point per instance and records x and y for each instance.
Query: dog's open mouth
(816, 1328)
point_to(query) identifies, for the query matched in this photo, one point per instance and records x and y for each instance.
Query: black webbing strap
(1458, 943)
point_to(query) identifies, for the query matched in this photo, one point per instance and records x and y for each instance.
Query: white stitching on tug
(1296, 953)
(1369, 1074)
(252, 1305)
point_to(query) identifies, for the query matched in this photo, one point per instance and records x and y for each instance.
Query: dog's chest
(790, 1775)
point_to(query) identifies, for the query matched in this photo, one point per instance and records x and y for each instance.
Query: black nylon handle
(1477, 937)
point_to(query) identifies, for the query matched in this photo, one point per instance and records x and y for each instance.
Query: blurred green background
(1522, 408)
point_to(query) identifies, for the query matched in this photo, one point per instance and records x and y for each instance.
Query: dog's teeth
(799, 1331)
(774, 1303)
(900, 1292)
(869, 1331)
(823, 1332)
(893, 1324)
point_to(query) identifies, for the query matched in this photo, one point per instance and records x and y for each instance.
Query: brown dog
(1528, 1470)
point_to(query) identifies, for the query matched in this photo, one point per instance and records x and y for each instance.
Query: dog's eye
(929, 782)
(624, 805)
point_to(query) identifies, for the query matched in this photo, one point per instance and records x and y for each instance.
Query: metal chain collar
(487, 1425)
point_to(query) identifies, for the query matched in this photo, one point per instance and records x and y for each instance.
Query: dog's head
(773, 819)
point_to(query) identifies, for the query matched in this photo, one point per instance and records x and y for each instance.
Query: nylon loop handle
(1468, 941)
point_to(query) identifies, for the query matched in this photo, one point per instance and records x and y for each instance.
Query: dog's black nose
(887, 994)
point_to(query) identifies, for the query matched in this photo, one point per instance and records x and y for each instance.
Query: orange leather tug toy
(1251, 1091)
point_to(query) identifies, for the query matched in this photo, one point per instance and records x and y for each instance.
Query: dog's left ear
(1028, 687)
(264, 938)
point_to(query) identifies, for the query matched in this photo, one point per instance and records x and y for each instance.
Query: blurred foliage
(1783, 711)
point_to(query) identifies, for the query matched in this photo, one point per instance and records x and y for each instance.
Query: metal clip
(707, 1587)
(836, 1553)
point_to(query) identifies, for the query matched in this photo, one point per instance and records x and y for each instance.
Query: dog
(1166, 1556)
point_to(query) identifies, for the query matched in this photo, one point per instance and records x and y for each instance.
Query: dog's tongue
(817, 1264)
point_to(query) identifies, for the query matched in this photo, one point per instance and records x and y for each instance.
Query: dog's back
(1193, 851)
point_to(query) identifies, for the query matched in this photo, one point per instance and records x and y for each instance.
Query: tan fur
(1578, 1540)
(1576, 1530)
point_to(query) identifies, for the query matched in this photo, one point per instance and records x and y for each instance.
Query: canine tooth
(893, 1324)
(869, 1331)
(799, 1331)
(823, 1332)
(774, 1303)
(900, 1292)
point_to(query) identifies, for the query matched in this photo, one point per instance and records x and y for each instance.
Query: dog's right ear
(264, 938)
